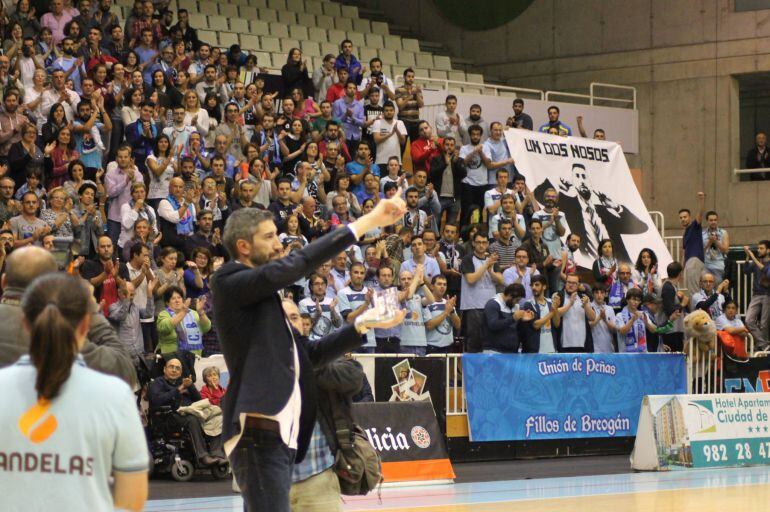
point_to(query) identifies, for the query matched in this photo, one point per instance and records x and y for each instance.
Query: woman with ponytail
(67, 428)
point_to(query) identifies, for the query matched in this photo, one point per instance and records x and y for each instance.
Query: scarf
(146, 212)
(185, 225)
(188, 333)
(636, 337)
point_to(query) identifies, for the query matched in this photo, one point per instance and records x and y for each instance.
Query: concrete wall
(681, 55)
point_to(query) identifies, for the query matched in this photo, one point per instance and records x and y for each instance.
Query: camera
(378, 77)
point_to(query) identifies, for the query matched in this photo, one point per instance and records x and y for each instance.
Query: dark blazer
(459, 171)
(256, 340)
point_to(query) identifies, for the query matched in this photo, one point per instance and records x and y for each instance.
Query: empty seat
(314, 7)
(298, 32)
(310, 48)
(227, 39)
(374, 41)
(208, 8)
(279, 30)
(361, 25)
(380, 27)
(350, 11)
(332, 9)
(229, 10)
(306, 19)
(324, 21)
(435, 73)
(190, 5)
(424, 60)
(278, 5)
(337, 36)
(250, 42)
(474, 78)
(198, 20)
(345, 24)
(405, 58)
(317, 62)
(246, 12)
(411, 45)
(263, 58)
(392, 42)
(207, 36)
(329, 48)
(270, 44)
(421, 72)
(389, 71)
(366, 54)
(258, 3)
(287, 44)
(265, 14)
(239, 25)
(259, 28)
(357, 40)
(218, 23)
(288, 17)
(457, 75)
(442, 62)
(296, 5)
(240, 2)
(317, 34)
(387, 56)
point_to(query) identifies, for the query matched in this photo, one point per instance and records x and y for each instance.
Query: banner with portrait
(596, 193)
(412, 379)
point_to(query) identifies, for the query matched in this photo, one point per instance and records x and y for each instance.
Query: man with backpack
(316, 481)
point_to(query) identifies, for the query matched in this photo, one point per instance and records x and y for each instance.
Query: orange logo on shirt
(37, 424)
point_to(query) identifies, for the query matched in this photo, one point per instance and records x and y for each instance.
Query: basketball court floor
(723, 490)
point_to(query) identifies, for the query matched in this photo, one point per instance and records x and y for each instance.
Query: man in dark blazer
(609, 220)
(264, 409)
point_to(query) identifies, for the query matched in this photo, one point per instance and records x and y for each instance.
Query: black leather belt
(263, 424)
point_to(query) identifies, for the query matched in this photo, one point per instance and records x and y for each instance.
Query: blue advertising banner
(519, 397)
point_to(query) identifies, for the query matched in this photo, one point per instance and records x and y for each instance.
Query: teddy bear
(699, 326)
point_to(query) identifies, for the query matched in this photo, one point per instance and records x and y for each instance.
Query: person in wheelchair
(174, 391)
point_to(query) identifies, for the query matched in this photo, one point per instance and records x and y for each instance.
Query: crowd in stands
(126, 144)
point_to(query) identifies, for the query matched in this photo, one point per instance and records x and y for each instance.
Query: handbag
(733, 346)
(357, 464)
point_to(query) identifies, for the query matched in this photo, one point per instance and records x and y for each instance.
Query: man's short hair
(408, 70)
(388, 104)
(391, 185)
(535, 221)
(554, 107)
(766, 243)
(514, 290)
(710, 213)
(475, 128)
(539, 278)
(674, 269)
(450, 97)
(242, 225)
(136, 250)
(685, 210)
(518, 101)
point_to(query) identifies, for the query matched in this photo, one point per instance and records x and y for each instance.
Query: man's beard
(474, 118)
(584, 192)
(260, 259)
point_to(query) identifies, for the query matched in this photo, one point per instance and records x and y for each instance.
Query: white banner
(596, 193)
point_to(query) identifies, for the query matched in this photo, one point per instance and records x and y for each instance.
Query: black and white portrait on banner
(596, 192)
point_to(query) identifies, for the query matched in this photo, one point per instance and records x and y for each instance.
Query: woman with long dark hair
(61, 410)
(57, 119)
(294, 72)
(61, 154)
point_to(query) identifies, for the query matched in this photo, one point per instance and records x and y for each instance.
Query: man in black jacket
(758, 157)
(447, 172)
(267, 417)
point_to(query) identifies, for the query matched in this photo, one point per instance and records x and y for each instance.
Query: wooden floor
(719, 490)
(732, 499)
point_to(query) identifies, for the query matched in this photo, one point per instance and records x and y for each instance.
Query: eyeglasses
(173, 367)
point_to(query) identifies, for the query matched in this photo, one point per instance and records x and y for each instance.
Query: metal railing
(739, 172)
(455, 394)
(496, 90)
(660, 222)
(674, 246)
(705, 368)
(595, 97)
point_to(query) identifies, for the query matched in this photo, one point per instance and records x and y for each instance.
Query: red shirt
(423, 151)
(215, 395)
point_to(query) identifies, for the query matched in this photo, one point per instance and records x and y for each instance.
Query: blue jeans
(262, 466)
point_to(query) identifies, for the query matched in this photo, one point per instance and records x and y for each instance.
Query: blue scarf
(188, 333)
(636, 338)
(185, 226)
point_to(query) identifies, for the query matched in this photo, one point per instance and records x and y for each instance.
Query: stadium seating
(269, 28)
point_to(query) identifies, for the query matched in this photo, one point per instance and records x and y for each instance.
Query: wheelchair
(171, 449)
(170, 445)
